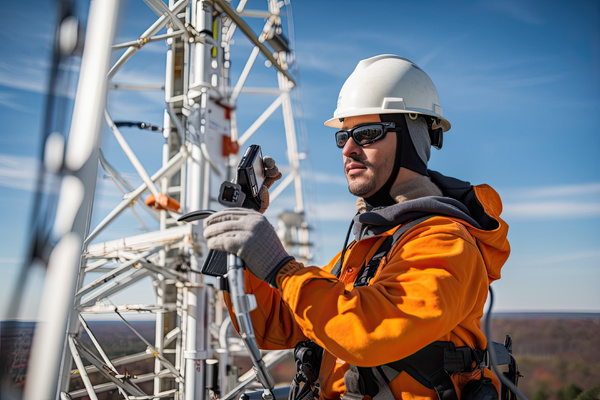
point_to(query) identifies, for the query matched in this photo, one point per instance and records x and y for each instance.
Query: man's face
(368, 167)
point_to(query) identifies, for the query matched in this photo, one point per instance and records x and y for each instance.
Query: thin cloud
(592, 188)
(337, 211)
(518, 11)
(429, 57)
(439, 50)
(31, 74)
(129, 75)
(323, 177)
(20, 172)
(553, 201)
(529, 81)
(10, 101)
(17, 172)
(506, 65)
(568, 258)
(332, 62)
(23, 75)
(551, 210)
(481, 81)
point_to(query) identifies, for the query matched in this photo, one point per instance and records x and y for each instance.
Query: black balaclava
(406, 156)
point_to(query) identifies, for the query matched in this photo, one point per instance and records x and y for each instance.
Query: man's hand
(249, 235)
(272, 174)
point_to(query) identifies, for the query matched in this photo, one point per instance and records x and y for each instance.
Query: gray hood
(458, 201)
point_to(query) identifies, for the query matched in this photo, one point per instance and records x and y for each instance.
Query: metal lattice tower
(193, 341)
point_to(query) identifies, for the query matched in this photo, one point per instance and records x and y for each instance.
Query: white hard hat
(387, 84)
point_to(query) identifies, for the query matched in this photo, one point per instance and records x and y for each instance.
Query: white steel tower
(209, 116)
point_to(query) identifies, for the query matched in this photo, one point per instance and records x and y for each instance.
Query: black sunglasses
(364, 134)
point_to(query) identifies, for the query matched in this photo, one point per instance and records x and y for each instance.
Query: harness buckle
(485, 363)
(481, 358)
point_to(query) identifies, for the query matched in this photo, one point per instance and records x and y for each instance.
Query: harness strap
(368, 271)
(427, 366)
(385, 393)
(431, 366)
(357, 382)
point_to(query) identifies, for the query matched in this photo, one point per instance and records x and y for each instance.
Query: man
(390, 321)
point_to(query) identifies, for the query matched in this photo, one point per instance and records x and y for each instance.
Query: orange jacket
(432, 285)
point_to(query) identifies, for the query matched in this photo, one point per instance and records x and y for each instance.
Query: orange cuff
(288, 269)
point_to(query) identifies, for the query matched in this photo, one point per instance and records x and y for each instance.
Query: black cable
(492, 355)
(141, 125)
(345, 246)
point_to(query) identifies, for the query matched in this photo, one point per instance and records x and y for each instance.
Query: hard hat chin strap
(406, 156)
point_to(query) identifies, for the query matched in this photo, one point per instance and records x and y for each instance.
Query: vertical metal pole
(198, 169)
(159, 283)
(167, 290)
(196, 338)
(159, 332)
(290, 131)
(197, 191)
(74, 204)
(290, 134)
(202, 20)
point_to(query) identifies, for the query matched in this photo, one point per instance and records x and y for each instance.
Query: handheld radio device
(243, 192)
(249, 179)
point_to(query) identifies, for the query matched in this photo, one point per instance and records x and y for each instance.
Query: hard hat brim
(336, 123)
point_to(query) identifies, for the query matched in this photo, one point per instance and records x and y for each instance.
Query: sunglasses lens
(368, 133)
(362, 134)
(341, 137)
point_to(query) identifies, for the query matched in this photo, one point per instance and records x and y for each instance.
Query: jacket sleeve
(274, 325)
(433, 278)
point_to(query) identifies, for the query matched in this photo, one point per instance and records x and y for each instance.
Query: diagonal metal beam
(151, 31)
(239, 21)
(165, 363)
(126, 279)
(166, 170)
(114, 273)
(103, 369)
(161, 8)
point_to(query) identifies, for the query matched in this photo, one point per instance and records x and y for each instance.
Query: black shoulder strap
(383, 249)
(337, 268)
(369, 270)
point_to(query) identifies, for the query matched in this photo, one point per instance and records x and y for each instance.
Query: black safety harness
(431, 366)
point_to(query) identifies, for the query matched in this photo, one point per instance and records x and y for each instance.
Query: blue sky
(518, 80)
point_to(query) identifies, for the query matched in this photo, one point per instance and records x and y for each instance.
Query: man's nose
(351, 148)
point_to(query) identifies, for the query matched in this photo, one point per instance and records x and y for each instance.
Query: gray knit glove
(272, 174)
(249, 235)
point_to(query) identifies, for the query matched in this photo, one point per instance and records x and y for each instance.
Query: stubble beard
(370, 180)
(361, 190)
(360, 186)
